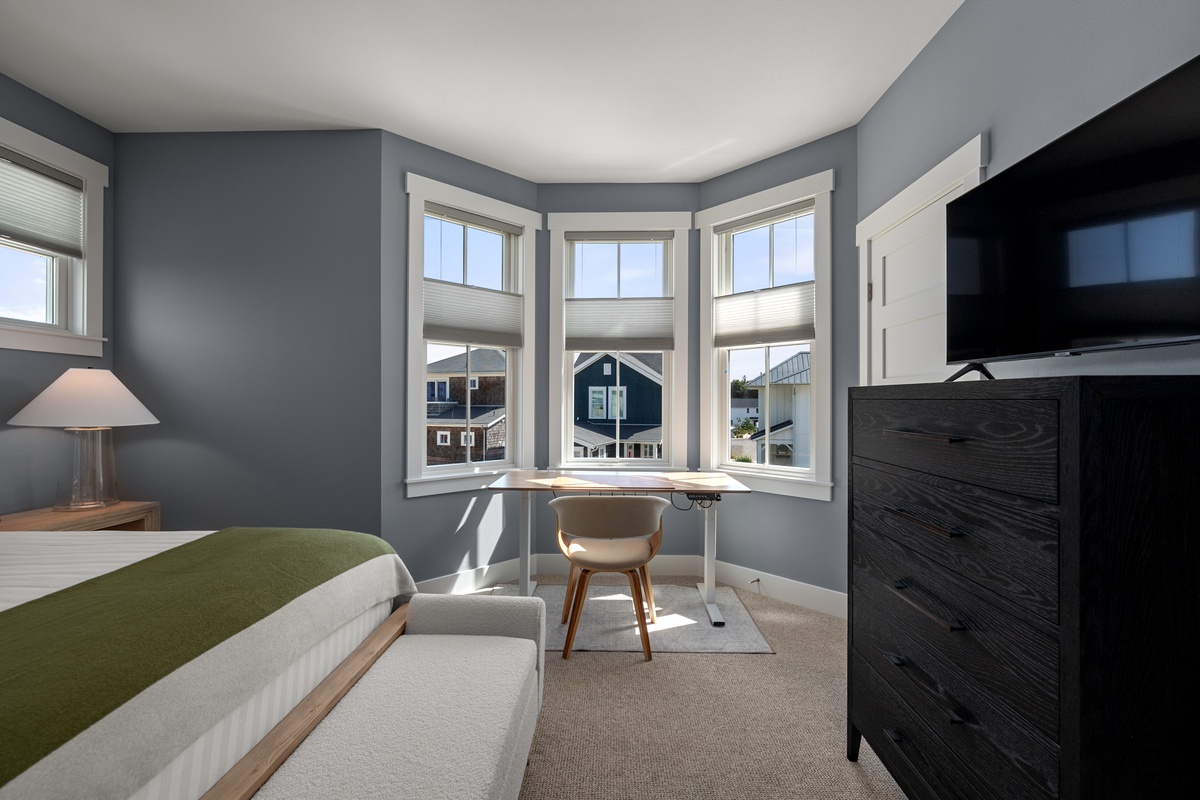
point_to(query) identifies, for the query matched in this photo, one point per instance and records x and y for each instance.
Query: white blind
(628, 323)
(39, 210)
(472, 315)
(782, 314)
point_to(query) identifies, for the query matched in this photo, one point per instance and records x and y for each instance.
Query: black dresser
(1024, 588)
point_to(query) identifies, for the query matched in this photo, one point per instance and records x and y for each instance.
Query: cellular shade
(470, 314)
(40, 206)
(782, 314)
(630, 323)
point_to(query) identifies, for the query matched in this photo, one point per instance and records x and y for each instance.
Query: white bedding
(191, 752)
(36, 563)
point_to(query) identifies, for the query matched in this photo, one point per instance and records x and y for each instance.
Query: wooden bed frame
(249, 774)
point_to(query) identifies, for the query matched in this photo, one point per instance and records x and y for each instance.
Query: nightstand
(127, 515)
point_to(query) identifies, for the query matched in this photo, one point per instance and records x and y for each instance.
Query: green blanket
(71, 657)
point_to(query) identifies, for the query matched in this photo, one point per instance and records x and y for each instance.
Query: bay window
(470, 328)
(766, 338)
(618, 339)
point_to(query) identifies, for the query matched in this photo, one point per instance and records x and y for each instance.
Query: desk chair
(609, 533)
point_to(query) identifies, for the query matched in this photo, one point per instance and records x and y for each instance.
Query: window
(51, 245)
(617, 321)
(765, 278)
(467, 251)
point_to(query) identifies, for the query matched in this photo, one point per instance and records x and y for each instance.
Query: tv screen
(1091, 243)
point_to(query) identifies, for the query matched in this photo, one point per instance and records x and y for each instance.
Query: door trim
(962, 170)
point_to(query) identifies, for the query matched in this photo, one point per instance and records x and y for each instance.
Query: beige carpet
(696, 726)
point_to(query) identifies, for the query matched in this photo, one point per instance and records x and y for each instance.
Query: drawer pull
(929, 526)
(898, 588)
(936, 438)
(917, 775)
(900, 661)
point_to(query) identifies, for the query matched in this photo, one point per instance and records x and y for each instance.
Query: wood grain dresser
(1024, 613)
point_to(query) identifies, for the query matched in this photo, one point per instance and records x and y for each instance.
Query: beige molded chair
(609, 533)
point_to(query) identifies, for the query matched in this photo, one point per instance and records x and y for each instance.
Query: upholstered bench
(448, 711)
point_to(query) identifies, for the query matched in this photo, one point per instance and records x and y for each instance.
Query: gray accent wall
(247, 303)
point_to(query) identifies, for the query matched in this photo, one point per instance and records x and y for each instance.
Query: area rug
(683, 626)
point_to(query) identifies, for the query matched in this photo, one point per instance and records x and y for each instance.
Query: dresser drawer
(921, 764)
(1011, 552)
(1016, 659)
(970, 722)
(1010, 445)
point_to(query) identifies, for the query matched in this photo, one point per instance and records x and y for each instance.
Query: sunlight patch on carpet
(683, 627)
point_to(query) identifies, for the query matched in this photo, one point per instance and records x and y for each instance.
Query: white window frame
(675, 376)
(443, 438)
(592, 390)
(421, 480)
(81, 330)
(815, 483)
(616, 399)
(462, 439)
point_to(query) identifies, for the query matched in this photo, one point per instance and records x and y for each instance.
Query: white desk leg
(708, 589)
(526, 547)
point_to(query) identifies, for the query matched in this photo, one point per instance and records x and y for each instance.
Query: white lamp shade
(85, 398)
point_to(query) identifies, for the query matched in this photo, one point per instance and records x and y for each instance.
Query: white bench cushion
(437, 716)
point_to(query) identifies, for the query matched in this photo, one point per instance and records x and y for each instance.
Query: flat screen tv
(1091, 243)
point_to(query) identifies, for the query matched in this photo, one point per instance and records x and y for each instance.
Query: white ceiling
(554, 91)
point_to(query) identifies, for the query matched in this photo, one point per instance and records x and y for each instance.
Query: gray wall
(30, 457)
(1025, 72)
(274, 351)
(246, 302)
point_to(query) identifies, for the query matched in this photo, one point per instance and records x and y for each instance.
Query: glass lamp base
(89, 479)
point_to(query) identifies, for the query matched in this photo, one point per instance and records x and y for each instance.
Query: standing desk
(705, 488)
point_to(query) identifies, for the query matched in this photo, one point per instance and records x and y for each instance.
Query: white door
(902, 256)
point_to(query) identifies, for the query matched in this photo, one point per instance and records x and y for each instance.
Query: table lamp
(88, 403)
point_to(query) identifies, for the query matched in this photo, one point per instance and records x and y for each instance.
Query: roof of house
(593, 436)
(482, 360)
(480, 415)
(776, 428)
(651, 361)
(795, 370)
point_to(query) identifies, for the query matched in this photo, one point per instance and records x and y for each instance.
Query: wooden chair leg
(576, 610)
(649, 590)
(569, 594)
(636, 589)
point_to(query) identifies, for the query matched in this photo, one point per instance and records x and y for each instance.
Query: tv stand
(974, 366)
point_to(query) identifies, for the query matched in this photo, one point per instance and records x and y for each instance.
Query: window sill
(803, 488)
(20, 337)
(429, 485)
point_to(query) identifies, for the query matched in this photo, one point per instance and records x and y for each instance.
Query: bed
(147, 664)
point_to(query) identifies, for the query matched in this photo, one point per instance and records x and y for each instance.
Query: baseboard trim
(798, 593)
(472, 580)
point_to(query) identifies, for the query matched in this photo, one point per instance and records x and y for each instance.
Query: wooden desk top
(543, 480)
